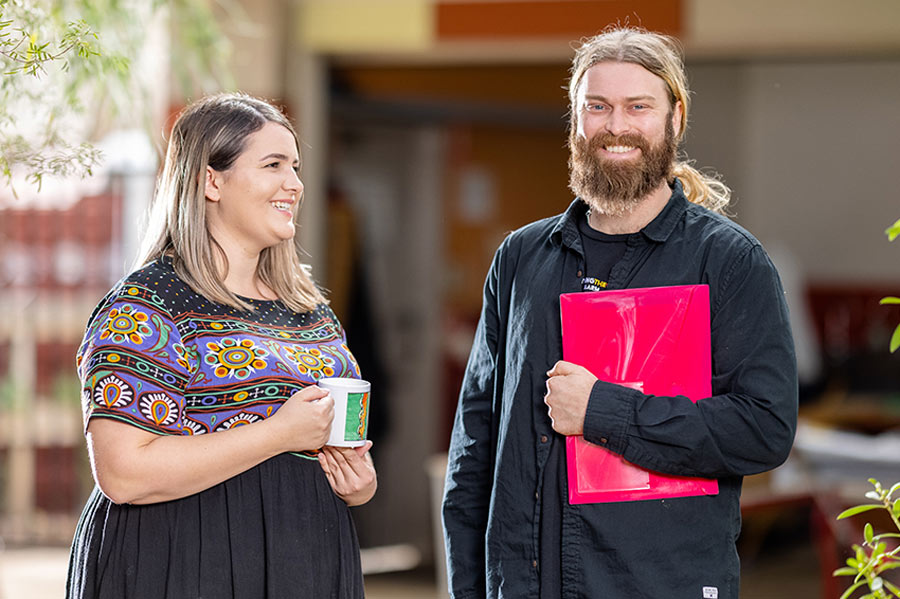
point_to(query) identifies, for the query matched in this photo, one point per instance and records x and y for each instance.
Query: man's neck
(644, 211)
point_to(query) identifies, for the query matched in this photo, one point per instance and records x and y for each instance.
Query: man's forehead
(621, 79)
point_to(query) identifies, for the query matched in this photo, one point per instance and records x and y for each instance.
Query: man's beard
(615, 187)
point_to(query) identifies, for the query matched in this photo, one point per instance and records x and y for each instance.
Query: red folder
(656, 340)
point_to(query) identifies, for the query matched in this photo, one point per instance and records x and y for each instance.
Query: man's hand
(568, 391)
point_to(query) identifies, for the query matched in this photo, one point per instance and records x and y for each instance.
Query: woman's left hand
(350, 471)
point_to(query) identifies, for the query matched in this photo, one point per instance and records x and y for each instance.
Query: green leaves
(858, 510)
(893, 231)
(66, 75)
(871, 559)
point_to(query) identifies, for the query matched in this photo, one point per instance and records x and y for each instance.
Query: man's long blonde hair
(213, 132)
(661, 55)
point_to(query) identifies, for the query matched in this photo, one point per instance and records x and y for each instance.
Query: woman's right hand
(304, 420)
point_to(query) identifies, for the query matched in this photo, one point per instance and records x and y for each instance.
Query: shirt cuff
(608, 415)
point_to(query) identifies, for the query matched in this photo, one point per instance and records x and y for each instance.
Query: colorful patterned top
(161, 357)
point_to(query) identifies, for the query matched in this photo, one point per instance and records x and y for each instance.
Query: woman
(203, 421)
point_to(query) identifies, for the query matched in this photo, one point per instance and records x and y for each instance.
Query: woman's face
(251, 206)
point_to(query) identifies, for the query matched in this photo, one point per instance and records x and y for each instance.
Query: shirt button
(579, 274)
(534, 564)
(543, 438)
(604, 440)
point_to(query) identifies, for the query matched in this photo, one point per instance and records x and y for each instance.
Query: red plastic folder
(656, 340)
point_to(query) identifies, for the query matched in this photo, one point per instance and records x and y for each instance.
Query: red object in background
(57, 489)
(656, 340)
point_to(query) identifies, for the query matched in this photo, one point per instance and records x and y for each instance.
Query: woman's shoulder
(158, 273)
(154, 285)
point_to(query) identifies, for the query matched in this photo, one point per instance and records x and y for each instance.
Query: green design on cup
(357, 422)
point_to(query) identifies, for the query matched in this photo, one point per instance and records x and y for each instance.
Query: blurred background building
(431, 129)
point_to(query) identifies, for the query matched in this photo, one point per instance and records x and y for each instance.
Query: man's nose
(617, 122)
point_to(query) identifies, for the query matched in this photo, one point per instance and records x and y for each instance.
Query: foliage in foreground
(879, 552)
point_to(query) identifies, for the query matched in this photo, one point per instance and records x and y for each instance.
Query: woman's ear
(213, 179)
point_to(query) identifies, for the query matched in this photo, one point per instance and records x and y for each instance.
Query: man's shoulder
(538, 232)
(530, 241)
(718, 230)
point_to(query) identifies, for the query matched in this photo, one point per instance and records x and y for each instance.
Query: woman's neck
(241, 275)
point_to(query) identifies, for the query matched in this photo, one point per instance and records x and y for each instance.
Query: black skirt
(275, 531)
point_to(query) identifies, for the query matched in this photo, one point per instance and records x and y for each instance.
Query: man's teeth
(619, 149)
(281, 205)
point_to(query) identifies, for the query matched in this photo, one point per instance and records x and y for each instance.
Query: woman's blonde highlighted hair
(213, 132)
(662, 56)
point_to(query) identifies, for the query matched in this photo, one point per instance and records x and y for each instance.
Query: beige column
(18, 417)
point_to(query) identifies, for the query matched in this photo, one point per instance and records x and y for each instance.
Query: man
(641, 219)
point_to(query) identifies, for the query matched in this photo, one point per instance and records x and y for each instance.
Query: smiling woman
(205, 431)
(251, 205)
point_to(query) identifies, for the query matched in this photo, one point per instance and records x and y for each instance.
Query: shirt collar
(566, 230)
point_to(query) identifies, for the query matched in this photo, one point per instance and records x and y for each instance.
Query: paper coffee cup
(351, 410)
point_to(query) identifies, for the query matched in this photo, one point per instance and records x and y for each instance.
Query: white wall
(812, 149)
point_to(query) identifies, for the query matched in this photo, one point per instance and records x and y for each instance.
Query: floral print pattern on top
(158, 356)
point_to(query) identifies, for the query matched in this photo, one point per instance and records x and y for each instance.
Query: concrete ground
(40, 572)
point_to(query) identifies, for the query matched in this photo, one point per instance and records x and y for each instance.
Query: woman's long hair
(661, 55)
(213, 132)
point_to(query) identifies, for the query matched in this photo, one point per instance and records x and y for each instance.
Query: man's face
(623, 139)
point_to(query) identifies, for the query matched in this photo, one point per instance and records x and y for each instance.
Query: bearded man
(641, 219)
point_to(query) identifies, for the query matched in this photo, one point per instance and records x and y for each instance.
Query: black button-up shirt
(502, 435)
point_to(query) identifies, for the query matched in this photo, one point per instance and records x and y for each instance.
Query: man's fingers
(563, 368)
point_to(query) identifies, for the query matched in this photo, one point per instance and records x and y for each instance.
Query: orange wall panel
(549, 19)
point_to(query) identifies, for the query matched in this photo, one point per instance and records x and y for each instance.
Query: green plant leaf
(844, 572)
(895, 339)
(893, 231)
(858, 510)
(852, 589)
(868, 533)
(885, 301)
